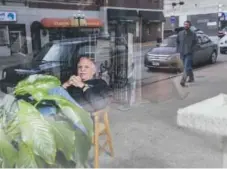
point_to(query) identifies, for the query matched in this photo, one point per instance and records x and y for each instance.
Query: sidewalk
(148, 136)
(149, 44)
(12, 60)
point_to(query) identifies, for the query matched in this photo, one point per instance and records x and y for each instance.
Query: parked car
(222, 32)
(223, 45)
(58, 58)
(166, 56)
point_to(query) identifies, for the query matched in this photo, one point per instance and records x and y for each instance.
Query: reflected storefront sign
(70, 22)
(222, 16)
(170, 25)
(8, 16)
(49, 29)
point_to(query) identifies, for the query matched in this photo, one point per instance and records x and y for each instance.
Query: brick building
(140, 17)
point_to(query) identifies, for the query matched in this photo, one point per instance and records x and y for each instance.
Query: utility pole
(173, 17)
(220, 13)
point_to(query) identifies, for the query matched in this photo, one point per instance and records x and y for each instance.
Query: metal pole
(219, 15)
(79, 21)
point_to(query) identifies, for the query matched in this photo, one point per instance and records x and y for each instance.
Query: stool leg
(109, 138)
(96, 143)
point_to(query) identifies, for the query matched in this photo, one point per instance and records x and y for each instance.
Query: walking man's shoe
(183, 80)
(191, 78)
(182, 84)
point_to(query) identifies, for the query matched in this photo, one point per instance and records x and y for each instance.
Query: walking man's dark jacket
(94, 98)
(186, 42)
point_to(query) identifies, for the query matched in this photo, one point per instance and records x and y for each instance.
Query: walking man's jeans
(187, 62)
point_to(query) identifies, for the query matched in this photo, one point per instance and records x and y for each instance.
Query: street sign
(172, 19)
(222, 16)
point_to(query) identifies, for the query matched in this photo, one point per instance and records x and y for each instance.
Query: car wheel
(213, 57)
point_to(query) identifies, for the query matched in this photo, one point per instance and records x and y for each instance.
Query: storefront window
(3, 36)
(149, 30)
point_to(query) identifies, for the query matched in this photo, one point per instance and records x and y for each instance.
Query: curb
(145, 44)
(179, 74)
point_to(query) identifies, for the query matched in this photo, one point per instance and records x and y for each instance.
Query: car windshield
(56, 52)
(169, 42)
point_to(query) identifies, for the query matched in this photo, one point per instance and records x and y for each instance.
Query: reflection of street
(148, 135)
(158, 74)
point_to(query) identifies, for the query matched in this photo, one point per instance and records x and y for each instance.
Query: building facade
(33, 25)
(203, 14)
(25, 26)
(143, 18)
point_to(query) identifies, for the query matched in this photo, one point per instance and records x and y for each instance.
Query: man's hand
(67, 84)
(77, 81)
(74, 81)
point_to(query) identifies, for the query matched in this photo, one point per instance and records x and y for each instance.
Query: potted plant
(29, 139)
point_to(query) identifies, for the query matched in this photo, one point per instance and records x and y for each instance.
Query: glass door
(15, 41)
(4, 41)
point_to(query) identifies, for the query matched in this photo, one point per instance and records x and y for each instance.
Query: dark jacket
(186, 41)
(94, 98)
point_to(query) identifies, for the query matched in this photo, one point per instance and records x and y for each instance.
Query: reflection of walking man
(186, 41)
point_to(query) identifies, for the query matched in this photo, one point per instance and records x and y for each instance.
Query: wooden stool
(101, 128)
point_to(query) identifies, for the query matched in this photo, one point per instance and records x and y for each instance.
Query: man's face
(85, 69)
(186, 25)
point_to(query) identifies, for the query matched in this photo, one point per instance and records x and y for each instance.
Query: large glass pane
(147, 64)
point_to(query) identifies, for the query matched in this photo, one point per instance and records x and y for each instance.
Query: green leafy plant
(29, 139)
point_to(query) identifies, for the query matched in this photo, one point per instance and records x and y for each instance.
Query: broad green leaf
(64, 137)
(8, 153)
(38, 94)
(9, 108)
(13, 129)
(26, 157)
(83, 146)
(1, 163)
(77, 115)
(36, 82)
(61, 162)
(36, 131)
(40, 162)
(21, 90)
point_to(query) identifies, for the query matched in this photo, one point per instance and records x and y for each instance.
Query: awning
(70, 22)
(122, 15)
(156, 16)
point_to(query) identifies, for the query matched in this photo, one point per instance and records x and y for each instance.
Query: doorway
(16, 41)
(17, 37)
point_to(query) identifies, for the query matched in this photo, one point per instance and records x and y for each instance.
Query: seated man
(83, 89)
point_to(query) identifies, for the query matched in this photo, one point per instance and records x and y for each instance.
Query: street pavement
(147, 135)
